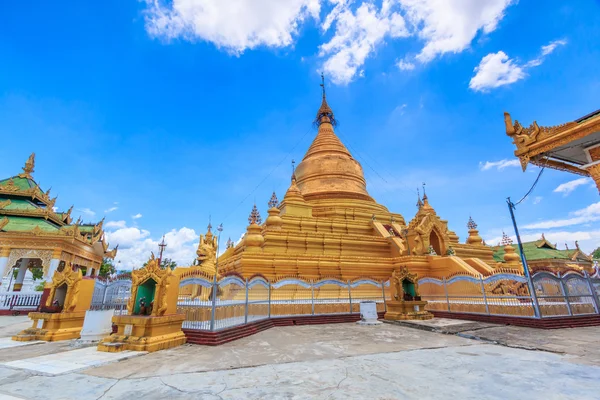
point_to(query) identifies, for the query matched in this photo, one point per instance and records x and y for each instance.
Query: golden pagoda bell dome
(328, 170)
(274, 221)
(254, 238)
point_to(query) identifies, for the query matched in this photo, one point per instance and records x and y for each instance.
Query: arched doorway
(435, 242)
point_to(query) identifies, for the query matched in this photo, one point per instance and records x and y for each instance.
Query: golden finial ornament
(506, 240)
(28, 169)
(471, 224)
(325, 113)
(254, 217)
(273, 202)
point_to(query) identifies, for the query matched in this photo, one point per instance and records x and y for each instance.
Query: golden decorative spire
(426, 205)
(254, 217)
(273, 202)
(506, 241)
(419, 202)
(28, 169)
(471, 224)
(474, 238)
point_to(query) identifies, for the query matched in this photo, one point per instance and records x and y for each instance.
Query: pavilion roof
(25, 208)
(542, 250)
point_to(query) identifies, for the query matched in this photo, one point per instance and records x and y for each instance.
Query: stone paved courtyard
(441, 359)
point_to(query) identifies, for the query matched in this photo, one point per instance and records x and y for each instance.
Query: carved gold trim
(161, 276)
(17, 254)
(72, 279)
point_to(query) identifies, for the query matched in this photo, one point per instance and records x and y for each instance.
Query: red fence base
(17, 312)
(540, 323)
(208, 338)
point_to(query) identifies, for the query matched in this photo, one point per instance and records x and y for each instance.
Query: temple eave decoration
(571, 147)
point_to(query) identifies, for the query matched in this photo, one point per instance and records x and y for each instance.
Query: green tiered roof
(538, 250)
(26, 224)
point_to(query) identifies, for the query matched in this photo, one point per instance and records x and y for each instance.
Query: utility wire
(354, 151)
(532, 186)
(267, 176)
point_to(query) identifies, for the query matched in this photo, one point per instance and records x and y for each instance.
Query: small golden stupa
(327, 225)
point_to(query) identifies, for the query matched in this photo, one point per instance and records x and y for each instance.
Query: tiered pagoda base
(405, 310)
(144, 333)
(53, 327)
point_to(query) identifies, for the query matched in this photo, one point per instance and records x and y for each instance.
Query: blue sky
(158, 115)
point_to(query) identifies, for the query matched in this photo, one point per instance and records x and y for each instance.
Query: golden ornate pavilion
(328, 225)
(573, 147)
(34, 235)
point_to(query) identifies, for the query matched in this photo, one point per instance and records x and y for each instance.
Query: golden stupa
(329, 226)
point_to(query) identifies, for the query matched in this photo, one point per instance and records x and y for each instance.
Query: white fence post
(383, 296)
(246, 307)
(269, 287)
(312, 296)
(487, 309)
(592, 292)
(446, 292)
(350, 296)
(214, 305)
(564, 292)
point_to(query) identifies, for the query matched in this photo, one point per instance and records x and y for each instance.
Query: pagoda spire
(325, 113)
(419, 202)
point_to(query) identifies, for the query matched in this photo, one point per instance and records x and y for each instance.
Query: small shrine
(152, 322)
(406, 301)
(62, 316)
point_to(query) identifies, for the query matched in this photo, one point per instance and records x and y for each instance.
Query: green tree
(596, 253)
(166, 262)
(107, 268)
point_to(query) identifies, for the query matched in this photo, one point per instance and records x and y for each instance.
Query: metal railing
(506, 294)
(240, 301)
(112, 295)
(18, 301)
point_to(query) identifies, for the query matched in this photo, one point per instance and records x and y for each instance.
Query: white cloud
(115, 224)
(111, 210)
(400, 109)
(537, 199)
(87, 212)
(357, 34)
(589, 214)
(234, 25)
(136, 216)
(550, 47)
(567, 187)
(136, 245)
(495, 70)
(499, 165)
(449, 26)
(360, 27)
(405, 65)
